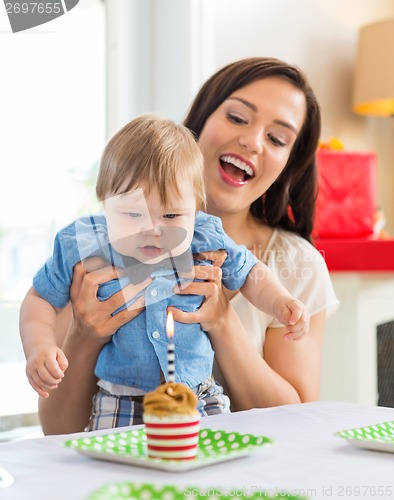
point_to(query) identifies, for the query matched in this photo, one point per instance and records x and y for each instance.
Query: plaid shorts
(110, 411)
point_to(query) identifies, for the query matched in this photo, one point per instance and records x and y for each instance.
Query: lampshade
(373, 91)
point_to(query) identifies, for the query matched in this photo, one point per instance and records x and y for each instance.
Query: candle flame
(170, 325)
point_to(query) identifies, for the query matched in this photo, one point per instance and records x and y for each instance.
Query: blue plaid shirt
(137, 353)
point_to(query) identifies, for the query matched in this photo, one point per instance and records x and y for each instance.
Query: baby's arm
(46, 363)
(266, 293)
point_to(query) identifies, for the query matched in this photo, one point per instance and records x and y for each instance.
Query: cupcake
(171, 422)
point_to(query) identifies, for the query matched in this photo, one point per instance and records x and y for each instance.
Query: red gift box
(357, 254)
(346, 201)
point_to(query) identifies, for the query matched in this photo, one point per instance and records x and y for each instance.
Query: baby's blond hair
(156, 152)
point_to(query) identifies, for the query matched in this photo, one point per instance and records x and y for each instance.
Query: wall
(321, 38)
(159, 52)
(174, 45)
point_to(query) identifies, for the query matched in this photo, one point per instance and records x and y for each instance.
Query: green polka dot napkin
(378, 437)
(130, 447)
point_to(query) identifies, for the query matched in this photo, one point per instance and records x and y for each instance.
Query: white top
(302, 271)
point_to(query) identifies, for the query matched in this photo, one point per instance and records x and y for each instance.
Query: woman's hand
(93, 317)
(215, 303)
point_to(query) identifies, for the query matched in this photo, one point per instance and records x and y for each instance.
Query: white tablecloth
(306, 459)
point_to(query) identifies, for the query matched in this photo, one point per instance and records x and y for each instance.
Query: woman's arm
(289, 371)
(81, 331)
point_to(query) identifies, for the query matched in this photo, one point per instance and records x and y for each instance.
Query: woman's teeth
(235, 162)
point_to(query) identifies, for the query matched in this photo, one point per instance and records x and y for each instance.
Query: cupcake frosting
(170, 399)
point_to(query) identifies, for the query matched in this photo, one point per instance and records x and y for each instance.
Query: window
(52, 129)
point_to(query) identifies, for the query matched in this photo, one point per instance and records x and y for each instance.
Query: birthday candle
(170, 348)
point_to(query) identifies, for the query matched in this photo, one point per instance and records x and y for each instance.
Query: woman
(258, 124)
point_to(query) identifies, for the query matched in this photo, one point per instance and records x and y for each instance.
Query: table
(357, 254)
(305, 459)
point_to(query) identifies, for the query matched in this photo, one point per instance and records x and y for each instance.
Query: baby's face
(141, 227)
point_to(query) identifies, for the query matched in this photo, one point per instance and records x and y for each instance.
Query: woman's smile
(235, 170)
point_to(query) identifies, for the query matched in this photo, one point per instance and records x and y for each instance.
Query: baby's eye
(236, 119)
(134, 215)
(276, 141)
(171, 216)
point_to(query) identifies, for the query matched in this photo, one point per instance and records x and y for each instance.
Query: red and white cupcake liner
(172, 438)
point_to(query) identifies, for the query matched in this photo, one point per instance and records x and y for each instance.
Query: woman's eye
(276, 141)
(170, 216)
(134, 215)
(236, 119)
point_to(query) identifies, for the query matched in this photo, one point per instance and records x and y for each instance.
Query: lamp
(373, 90)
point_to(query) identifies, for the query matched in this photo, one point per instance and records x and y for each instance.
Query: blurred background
(67, 86)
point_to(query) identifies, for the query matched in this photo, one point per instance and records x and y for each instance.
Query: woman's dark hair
(290, 202)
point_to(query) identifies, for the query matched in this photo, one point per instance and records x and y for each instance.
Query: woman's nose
(252, 140)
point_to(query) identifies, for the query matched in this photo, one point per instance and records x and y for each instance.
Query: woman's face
(247, 141)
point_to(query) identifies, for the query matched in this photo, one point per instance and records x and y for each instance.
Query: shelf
(362, 254)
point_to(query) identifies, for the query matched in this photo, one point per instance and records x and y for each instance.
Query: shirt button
(153, 293)
(156, 334)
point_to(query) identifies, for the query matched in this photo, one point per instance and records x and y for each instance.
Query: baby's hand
(292, 314)
(45, 368)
